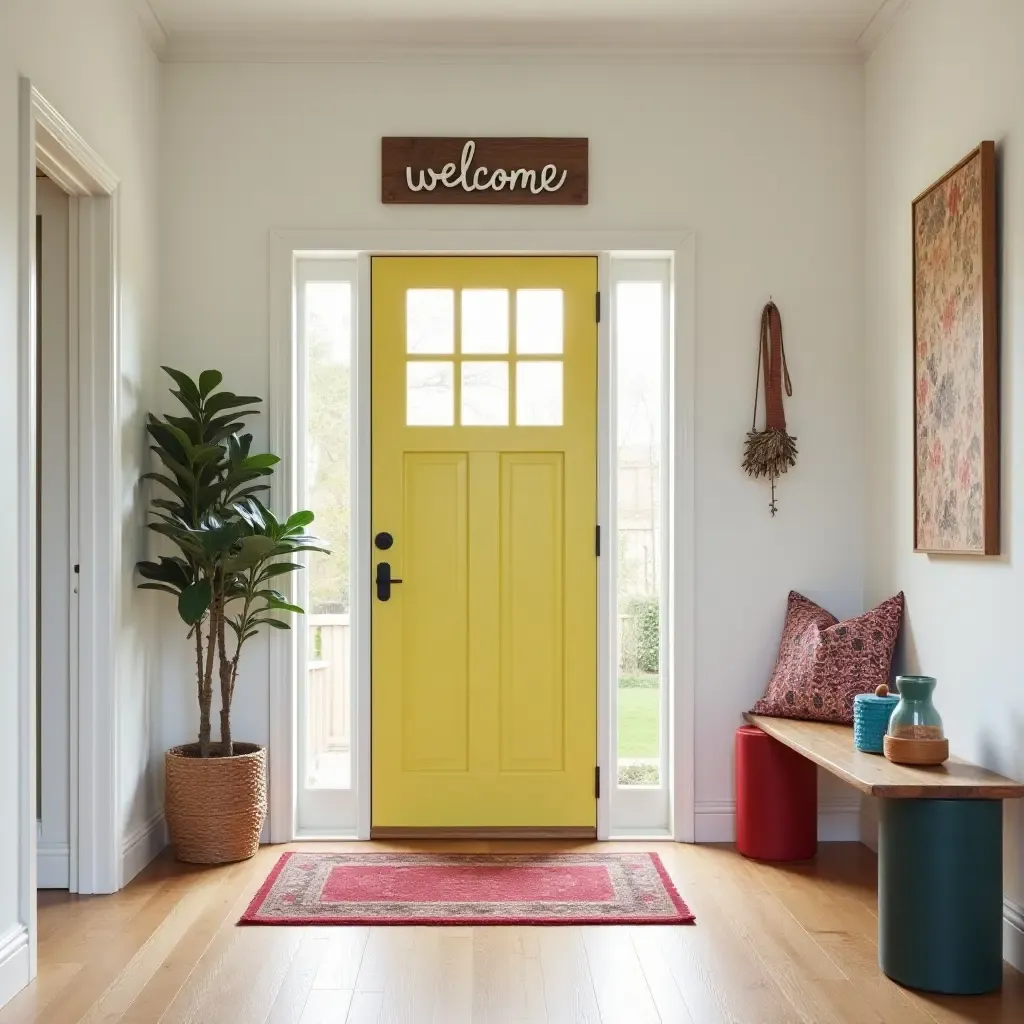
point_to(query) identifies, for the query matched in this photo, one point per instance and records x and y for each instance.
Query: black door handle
(384, 580)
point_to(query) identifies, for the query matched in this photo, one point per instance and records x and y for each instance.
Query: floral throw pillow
(824, 663)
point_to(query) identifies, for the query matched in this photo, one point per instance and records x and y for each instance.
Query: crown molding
(522, 41)
(317, 54)
(152, 28)
(318, 51)
(881, 24)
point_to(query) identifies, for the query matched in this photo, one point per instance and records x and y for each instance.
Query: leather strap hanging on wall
(771, 451)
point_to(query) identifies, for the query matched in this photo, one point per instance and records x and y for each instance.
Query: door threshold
(582, 832)
(303, 835)
(648, 835)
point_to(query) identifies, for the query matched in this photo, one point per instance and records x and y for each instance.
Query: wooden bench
(940, 857)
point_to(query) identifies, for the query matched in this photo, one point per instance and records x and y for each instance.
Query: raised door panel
(532, 685)
(434, 603)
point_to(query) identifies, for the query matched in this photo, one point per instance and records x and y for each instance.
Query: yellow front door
(485, 484)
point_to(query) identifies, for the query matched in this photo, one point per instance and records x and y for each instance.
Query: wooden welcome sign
(496, 171)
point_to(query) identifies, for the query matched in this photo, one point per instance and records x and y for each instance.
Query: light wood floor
(771, 944)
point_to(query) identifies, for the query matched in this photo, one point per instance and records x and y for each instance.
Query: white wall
(948, 76)
(89, 58)
(764, 162)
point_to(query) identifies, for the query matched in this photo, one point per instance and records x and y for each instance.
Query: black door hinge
(597, 783)
(597, 307)
(597, 541)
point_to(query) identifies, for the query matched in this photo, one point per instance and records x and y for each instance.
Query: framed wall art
(956, 361)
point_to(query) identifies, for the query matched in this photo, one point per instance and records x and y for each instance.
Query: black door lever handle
(384, 580)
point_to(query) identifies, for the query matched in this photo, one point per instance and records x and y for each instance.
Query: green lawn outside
(638, 721)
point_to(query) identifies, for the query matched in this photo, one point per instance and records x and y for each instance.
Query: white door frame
(56, 525)
(49, 141)
(285, 248)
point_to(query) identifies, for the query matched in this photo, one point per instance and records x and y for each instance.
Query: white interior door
(53, 538)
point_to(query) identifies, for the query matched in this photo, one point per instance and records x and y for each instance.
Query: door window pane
(429, 394)
(539, 394)
(485, 321)
(327, 326)
(430, 321)
(539, 321)
(485, 394)
(639, 326)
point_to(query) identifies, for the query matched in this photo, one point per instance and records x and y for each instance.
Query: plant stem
(226, 745)
(229, 669)
(199, 661)
(206, 696)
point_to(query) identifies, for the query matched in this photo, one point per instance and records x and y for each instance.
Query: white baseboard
(839, 821)
(715, 821)
(53, 865)
(14, 962)
(141, 845)
(1013, 934)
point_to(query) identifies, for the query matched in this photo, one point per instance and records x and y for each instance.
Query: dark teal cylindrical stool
(940, 894)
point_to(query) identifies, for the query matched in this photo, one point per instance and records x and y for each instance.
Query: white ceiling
(697, 25)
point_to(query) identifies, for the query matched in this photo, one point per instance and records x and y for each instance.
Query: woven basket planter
(215, 806)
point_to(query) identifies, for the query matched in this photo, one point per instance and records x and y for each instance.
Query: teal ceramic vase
(915, 717)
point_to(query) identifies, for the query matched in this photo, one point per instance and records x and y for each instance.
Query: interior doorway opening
(56, 608)
(74, 795)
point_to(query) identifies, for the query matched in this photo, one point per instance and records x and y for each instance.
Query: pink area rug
(420, 888)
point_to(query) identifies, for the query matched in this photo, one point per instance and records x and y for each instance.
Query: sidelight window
(325, 343)
(640, 324)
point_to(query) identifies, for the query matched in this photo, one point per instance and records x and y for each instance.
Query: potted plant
(230, 551)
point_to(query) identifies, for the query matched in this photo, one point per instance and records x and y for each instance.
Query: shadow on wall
(998, 753)
(905, 660)
(1001, 754)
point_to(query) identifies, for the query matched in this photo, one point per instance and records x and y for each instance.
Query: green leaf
(217, 541)
(252, 550)
(183, 473)
(194, 602)
(225, 400)
(268, 517)
(208, 380)
(191, 407)
(207, 497)
(182, 538)
(183, 439)
(185, 383)
(189, 425)
(276, 623)
(175, 571)
(277, 569)
(220, 430)
(249, 492)
(265, 461)
(284, 606)
(250, 512)
(204, 453)
(299, 519)
(165, 439)
(172, 506)
(171, 485)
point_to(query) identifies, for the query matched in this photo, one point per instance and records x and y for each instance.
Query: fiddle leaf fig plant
(229, 545)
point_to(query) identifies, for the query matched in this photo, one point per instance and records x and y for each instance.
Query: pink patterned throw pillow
(824, 663)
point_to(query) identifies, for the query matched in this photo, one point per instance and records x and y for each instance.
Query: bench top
(831, 746)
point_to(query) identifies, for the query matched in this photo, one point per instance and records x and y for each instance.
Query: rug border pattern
(252, 912)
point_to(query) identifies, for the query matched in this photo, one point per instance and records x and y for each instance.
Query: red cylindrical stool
(776, 799)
